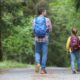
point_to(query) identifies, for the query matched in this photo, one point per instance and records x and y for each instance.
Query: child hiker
(73, 46)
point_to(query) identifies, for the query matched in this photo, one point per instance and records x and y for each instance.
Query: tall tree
(1, 55)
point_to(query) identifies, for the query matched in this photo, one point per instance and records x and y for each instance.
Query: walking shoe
(74, 72)
(43, 71)
(78, 70)
(37, 68)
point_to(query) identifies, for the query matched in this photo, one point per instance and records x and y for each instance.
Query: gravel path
(29, 74)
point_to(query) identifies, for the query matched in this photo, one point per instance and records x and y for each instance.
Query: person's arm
(33, 24)
(79, 37)
(49, 24)
(68, 44)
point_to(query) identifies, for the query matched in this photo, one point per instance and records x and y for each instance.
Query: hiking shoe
(78, 70)
(43, 71)
(37, 68)
(74, 72)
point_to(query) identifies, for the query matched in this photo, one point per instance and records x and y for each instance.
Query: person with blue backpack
(42, 26)
(73, 46)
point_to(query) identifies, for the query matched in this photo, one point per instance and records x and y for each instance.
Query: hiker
(42, 26)
(73, 46)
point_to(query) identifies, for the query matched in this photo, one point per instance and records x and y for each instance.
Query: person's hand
(47, 30)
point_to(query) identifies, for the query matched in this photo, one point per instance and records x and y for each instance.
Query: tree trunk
(1, 55)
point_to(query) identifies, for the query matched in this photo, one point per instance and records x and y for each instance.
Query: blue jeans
(44, 47)
(75, 56)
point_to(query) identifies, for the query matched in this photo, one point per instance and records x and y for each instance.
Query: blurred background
(16, 34)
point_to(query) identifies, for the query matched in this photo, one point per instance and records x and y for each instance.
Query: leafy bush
(20, 42)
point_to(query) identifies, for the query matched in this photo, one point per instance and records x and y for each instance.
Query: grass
(13, 64)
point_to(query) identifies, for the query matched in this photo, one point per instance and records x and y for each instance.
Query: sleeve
(49, 24)
(68, 44)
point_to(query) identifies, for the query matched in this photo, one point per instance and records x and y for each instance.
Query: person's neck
(74, 35)
(42, 15)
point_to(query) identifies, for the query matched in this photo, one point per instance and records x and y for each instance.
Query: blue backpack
(40, 27)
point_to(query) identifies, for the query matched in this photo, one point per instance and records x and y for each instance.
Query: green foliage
(64, 17)
(12, 64)
(16, 29)
(20, 41)
(77, 4)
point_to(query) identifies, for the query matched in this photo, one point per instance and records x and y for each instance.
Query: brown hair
(74, 31)
(40, 10)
